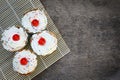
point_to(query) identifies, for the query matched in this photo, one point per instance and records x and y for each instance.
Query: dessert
(14, 38)
(44, 43)
(34, 21)
(24, 62)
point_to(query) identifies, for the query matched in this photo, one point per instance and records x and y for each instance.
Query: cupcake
(44, 43)
(24, 62)
(14, 38)
(34, 21)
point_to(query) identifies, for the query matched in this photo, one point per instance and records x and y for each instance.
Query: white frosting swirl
(11, 45)
(30, 16)
(24, 69)
(48, 48)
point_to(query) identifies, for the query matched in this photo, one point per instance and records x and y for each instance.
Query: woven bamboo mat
(11, 12)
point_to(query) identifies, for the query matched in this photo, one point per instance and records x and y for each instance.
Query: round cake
(34, 21)
(14, 38)
(44, 43)
(24, 62)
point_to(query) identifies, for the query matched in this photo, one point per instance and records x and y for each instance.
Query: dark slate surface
(91, 28)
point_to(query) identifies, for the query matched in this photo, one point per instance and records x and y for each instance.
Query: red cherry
(41, 41)
(23, 61)
(16, 37)
(35, 22)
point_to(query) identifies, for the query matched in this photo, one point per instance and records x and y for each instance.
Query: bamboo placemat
(11, 12)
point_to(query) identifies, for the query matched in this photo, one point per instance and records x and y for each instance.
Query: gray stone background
(91, 29)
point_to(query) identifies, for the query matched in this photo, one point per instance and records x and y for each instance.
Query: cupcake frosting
(14, 38)
(43, 43)
(34, 21)
(24, 62)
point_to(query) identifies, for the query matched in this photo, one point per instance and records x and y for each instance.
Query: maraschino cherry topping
(23, 61)
(41, 41)
(35, 22)
(16, 37)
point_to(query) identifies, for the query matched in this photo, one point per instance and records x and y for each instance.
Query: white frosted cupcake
(44, 43)
(34, 21)
(14, 38)
(24, 62)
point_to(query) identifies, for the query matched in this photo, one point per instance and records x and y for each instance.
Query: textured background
(91, 28)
